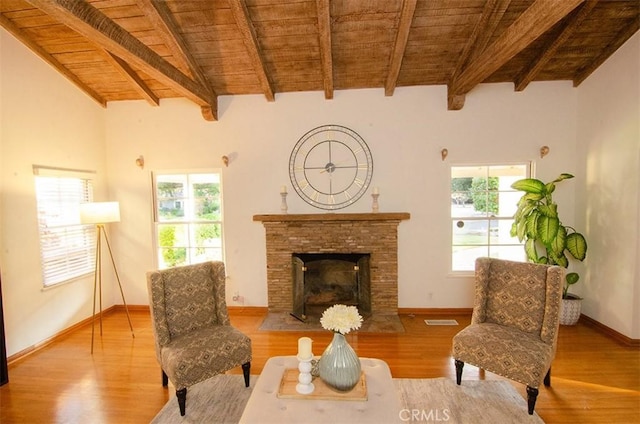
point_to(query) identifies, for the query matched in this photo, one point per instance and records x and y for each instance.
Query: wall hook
(444, 153)
(225, 160)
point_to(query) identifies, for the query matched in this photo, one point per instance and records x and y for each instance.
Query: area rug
(221, 400)
(283, 321)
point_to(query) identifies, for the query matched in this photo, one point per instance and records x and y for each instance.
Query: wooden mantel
(391, 216)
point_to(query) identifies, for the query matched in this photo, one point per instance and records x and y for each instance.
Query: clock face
(331, 167)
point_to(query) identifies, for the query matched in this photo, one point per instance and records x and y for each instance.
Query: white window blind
(67, 248)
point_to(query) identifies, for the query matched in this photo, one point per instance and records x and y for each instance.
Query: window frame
(529, 173)
(73, 258)
(156, 222)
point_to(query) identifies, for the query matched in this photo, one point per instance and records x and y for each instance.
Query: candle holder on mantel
(283, 204)
(375, 206)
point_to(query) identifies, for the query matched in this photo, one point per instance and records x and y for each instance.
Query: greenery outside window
(482, 208)
(67, 248)
(188, 218)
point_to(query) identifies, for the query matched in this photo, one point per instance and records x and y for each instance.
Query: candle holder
(375, 206)
(283, 204)
(305, 386)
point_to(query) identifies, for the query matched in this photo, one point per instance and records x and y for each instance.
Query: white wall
(405, 133)
(609, 140)
(44, 120)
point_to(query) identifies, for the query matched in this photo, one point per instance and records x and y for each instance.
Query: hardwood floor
(595, 379)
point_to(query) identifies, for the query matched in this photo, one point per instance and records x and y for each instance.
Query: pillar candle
(283, 189)
(376, 190)
(304, 347)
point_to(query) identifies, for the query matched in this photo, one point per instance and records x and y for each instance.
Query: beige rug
(221, 400)
(283, 321)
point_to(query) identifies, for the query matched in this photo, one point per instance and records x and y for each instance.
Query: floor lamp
(100, 213)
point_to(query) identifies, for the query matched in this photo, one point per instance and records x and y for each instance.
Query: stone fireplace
(292, 239)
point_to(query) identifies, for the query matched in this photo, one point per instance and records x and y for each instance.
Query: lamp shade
(99, 212)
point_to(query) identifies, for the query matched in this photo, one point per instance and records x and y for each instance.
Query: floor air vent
(441, 322)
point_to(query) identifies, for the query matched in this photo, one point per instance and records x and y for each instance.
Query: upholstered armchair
(514, 326)
(193, 336)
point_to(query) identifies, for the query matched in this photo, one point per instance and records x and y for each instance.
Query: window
(67, 248)
(482, 208)
(188, 218)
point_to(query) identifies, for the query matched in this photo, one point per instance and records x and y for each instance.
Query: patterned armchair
(193, 336)
(514, 327)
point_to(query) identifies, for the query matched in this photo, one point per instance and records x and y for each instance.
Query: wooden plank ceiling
(201, 49)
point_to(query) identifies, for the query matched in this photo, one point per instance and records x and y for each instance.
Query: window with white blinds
(67, 248)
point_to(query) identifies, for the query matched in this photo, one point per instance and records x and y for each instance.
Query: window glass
(482, 208)
(188, 218)
(67, 248)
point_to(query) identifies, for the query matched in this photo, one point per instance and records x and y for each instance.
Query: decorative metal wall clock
(331, 167)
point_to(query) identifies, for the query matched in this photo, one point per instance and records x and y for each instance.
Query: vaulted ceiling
(117, 50)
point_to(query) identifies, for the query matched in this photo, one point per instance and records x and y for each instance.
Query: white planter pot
(570, 310)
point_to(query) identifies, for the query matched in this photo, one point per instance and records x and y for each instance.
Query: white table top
(382, 406)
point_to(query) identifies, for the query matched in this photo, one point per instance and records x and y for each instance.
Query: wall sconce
(225, 160)
(544, 151)
(444, 153)
(140, 162)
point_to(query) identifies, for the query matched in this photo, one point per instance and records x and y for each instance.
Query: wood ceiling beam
(623, 35)
(324, 38)
(98, 28)
(550, 50)
(162, 20)
(404, 26)
(44, 55)
(483, 31)
(130, 75)
(243, 20)
(531, 24)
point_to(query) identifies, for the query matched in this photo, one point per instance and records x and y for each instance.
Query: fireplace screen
(321, 280)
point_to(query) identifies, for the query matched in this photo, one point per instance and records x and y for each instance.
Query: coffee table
(382, 405)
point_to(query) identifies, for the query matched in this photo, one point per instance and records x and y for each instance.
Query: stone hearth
(374, 234)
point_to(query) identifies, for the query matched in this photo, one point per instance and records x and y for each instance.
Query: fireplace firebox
(321, 280)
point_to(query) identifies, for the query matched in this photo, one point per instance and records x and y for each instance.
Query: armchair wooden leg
(547, 378)
(165, 379)
(532, 395)
(246, 370)
(459, 365)
(182, 400)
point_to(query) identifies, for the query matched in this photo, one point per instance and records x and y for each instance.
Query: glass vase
(339, 366)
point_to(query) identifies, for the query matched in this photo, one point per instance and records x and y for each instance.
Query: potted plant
(547, 240)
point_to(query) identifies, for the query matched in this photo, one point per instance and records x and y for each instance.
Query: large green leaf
(558, 259)
(529, 185)
(547, 228)
(530, 249)
(577, 246)
(571, 278)
(531, 224)
(563, 176)
(549, 210)
(559, 243)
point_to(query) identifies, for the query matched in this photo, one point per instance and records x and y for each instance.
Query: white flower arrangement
(341, 319)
